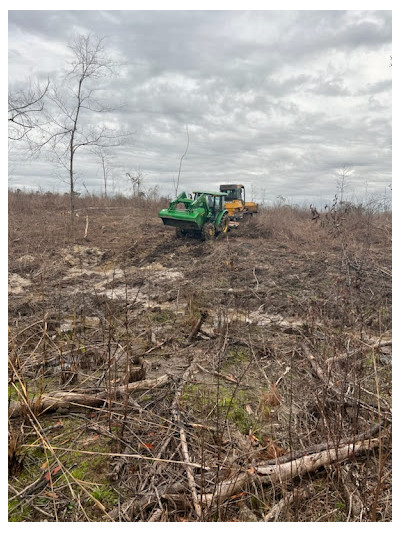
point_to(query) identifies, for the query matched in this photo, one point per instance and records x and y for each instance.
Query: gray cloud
(279, 100)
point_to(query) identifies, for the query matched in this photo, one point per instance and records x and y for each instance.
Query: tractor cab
(236, 201)
(233, 192)
(215, 201)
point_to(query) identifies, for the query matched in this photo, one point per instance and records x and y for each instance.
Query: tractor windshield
(234, 194)
(211, 201)
(215, 202)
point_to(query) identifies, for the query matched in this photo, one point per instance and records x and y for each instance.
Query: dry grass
(295, 351)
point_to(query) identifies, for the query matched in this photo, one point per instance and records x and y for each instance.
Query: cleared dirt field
(161, 379)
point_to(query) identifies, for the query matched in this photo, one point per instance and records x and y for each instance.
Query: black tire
(224, 225)
(208, 231)
(180, 233)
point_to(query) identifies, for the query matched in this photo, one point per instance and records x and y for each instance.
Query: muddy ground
(292, 349)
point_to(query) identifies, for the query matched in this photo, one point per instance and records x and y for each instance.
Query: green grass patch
(224, 402)
(18, 513)
(105, 495)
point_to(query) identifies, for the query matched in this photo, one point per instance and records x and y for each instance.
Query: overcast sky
(281, 101)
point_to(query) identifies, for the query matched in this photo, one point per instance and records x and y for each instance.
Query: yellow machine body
(235, 201)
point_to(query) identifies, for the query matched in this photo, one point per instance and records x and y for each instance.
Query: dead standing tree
(343, 175)
(71, 125)
(106, 169)
(176, 183)
(136, 178)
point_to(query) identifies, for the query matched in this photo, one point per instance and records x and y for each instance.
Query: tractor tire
(224, 225)
(180, 233)
(208, 231)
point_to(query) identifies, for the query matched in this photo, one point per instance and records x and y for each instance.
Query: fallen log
(283, 472)
(69, 400)
(364, 435)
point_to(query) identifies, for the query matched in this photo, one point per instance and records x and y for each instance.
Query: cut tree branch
(69, 400)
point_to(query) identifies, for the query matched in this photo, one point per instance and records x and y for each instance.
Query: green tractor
(203, 215)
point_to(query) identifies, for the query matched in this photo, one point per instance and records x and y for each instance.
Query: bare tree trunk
(185, 450)
(180, 164)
